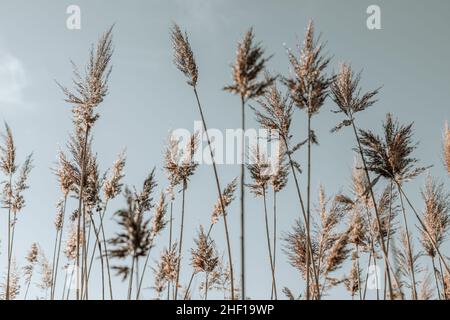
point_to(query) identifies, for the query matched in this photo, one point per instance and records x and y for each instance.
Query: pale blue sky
(148, 97)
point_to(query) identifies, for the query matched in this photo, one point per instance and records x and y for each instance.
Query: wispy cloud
(13, 79)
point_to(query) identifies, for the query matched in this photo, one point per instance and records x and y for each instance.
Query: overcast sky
(148, 97)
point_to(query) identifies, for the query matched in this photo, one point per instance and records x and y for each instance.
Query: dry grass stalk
(308, 89)
(185, 62)
(249, 65)
(89, 92)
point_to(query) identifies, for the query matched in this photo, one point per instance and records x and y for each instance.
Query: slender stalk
(216, 175)
(374, 257)
(64, 286)
(108, 269)
(242, 195)
(388, 240)
(170, 243)
(410, 254)
(98, 242)
(443, 280)
(53, 262)
(274, 285)
(28, 287)
(436, 278)
(80, 207)
(274, 237)
(308, 198)
(189, 286)
(367, 275)
(206, 285)
(294, 174)
(130, 282)
(358, 271)
(141, 279)
(180, 240)
(71, 279)
(54, 277)
(137, 277)
(84, 259)
(9, 244)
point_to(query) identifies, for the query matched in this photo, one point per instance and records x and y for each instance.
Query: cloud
(13, 79)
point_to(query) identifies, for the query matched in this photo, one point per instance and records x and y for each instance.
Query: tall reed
(250, 63)
(185, 62)
(308, 90)
(88, 93)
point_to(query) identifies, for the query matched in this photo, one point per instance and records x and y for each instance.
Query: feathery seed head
(436, 216)
(184, 58)
(113, 185)
(250, 62)
(204, 256)
(346, 93)
(227, 198)
(309, 86)
(390, 156)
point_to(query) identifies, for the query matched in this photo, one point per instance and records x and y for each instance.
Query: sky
(149, 97)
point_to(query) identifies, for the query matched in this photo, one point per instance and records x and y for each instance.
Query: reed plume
(352, 283)
(227, 199)
(28, 270)
(166, 271)
(204, 257)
